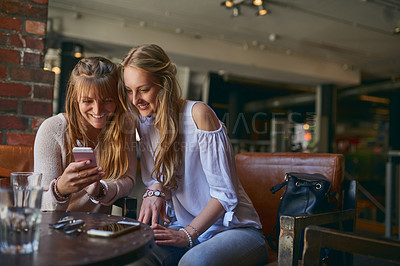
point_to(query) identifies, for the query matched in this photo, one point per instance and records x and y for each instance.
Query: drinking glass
(20, 218)
(25, 179)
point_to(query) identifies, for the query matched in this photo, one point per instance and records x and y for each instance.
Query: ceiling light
(235, 5)
(78, 51)
(56, 70)
(261, 11)
(229, 3)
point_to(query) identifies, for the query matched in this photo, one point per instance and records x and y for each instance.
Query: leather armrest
(5, 172)
(4, 177)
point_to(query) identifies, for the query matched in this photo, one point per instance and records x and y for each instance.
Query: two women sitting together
(186, 156)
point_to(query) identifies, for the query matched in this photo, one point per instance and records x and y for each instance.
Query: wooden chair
(20, 159)
(317, 238)
(258, 172)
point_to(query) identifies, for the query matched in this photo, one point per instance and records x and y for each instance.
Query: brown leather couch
(258, 172)
(14, 159)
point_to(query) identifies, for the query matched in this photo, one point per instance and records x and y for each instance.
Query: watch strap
(153, 193)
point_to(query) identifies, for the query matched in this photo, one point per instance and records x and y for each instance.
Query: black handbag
(305, 194)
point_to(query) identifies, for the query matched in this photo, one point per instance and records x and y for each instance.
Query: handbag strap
(279, 186)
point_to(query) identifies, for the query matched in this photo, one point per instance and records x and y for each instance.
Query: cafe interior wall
(26, 89)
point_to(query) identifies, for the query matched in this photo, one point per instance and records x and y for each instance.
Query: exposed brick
(9, 56)
(36, 122)
(14, 89)
(23, 43)
(3, 38)
(10, 23)
(20, 139)
(43, 92)
(32, 75)
(35, 43)
(37, 108)
(41, 1)
(17, 40)
(31, 59)
(13, 122)
(35, 27)
(3, 72)
(24, 8)
(8, 105)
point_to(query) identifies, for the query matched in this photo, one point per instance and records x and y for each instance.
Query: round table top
(58, 248)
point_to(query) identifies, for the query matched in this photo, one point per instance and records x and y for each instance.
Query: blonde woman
(189, 169)
(96, 116)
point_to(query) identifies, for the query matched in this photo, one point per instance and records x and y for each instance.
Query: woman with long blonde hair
(96, 116)
(188, 166)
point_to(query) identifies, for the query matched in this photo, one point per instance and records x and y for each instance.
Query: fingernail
(99, 169)
(88, 162)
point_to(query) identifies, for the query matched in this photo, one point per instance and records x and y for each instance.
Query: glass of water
(20, 215)
(26, 179)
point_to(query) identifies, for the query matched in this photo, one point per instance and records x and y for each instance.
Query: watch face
(157, 193)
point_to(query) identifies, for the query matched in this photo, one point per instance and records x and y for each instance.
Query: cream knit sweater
(50, 158)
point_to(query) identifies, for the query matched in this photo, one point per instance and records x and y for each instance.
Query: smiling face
(142, 90)
(96, 112)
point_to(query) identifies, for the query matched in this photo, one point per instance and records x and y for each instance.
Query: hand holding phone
(114, 229)
(84, 154)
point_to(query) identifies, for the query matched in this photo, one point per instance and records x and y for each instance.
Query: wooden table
(57, 248)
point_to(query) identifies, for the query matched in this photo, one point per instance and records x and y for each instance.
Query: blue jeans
(236, 246)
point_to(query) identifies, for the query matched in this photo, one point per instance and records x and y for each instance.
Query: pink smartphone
(83, 154)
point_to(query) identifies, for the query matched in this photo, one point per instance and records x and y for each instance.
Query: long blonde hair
(152, 59)
(101, 76)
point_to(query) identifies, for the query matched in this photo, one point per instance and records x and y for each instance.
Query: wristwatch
(155, 193)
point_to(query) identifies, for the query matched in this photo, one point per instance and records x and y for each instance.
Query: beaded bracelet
(194, 228)
(100, 195)
(188, 235)
(59, 196)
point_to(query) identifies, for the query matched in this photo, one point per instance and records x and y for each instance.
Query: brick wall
(26, 90)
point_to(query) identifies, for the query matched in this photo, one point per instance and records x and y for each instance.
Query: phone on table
(83, 154)
(114, 229)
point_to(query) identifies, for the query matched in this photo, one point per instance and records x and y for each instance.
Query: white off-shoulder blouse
(208, 170)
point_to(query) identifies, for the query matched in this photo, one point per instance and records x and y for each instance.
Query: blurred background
(300, 76)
